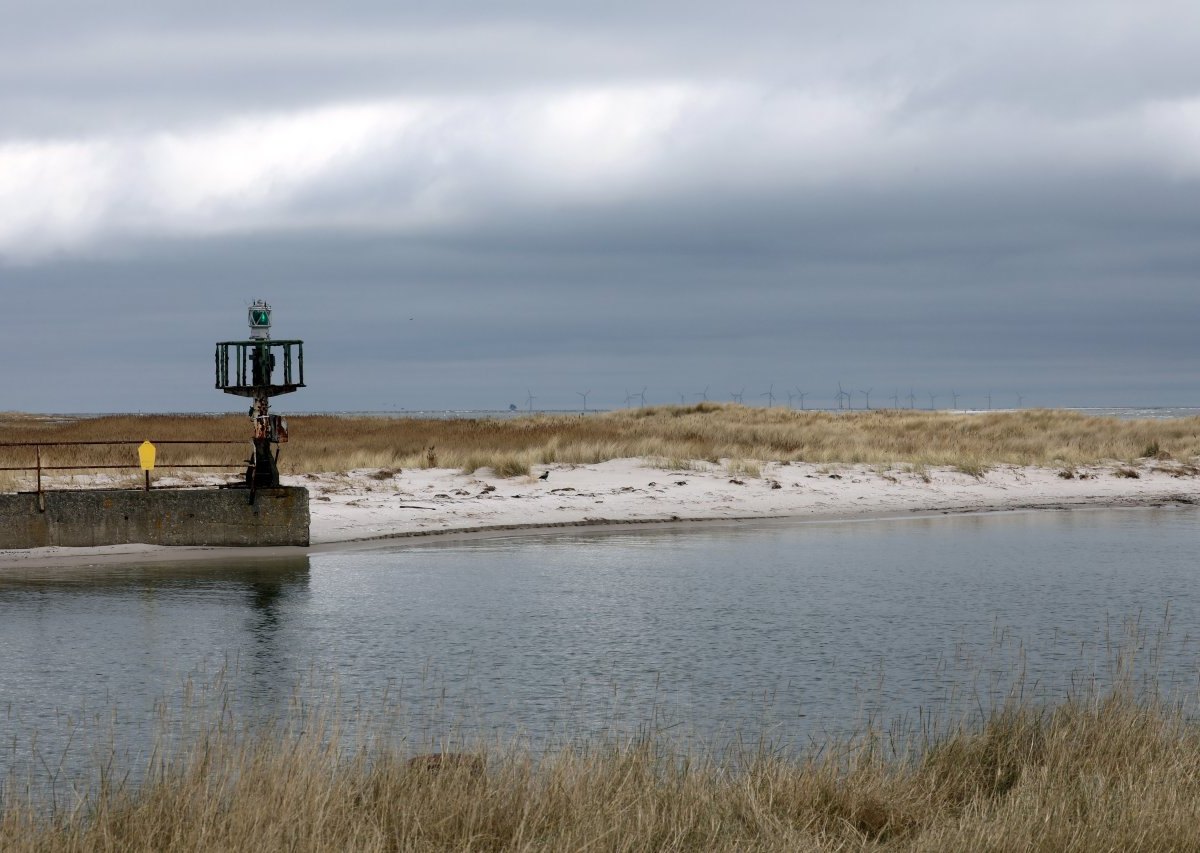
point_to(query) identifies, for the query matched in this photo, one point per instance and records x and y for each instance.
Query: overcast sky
(458, 209)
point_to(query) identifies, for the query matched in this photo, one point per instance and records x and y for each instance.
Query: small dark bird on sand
(545, 475)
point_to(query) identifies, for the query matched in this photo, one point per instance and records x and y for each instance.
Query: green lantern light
(260, 320)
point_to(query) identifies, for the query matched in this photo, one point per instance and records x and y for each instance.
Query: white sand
(355, 506)
(366, 505)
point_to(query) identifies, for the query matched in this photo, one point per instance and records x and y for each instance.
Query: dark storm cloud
(970, 197)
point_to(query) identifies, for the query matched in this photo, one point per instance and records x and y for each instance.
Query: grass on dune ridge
(672, 434)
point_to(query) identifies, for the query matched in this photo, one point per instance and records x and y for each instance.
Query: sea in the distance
(1123, 412)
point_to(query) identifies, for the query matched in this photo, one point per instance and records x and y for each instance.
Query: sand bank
(373, 506)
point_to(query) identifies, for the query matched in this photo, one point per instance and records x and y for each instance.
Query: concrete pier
(217, 517)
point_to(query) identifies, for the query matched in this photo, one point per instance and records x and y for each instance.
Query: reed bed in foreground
(1110, 773)
(708, 431)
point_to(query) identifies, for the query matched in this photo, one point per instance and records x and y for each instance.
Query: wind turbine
(529, 399)
(641, 395)
(584, 395)
(682, 399)
(703, 395)
(867, 395)
(955, 395)
(895, 398)
(844, 394)
(770, 395)
(1020, 400)
(628, 396)
(737, 395)
(801, 395)
(932, 398)
(989, 401)
(912, 399)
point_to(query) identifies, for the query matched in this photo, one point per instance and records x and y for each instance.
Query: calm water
(798, 629)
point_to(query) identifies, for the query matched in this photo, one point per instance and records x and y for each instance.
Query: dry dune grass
(1107, 774)
(708, 431)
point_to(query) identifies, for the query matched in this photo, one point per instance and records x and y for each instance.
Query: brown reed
(1110, 773)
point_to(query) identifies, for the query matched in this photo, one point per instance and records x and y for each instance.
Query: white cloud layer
(418, 163)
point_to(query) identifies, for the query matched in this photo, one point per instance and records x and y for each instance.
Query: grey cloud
(124, 63)
(1003, 218)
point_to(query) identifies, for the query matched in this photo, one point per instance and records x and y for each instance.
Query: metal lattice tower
(260, 368)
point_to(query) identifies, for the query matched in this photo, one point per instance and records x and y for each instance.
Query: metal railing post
(37, 449)
(253, 473)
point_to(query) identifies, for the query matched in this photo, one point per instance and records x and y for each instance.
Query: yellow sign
(146, 455)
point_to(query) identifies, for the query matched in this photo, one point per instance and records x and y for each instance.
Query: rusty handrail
(105, 467)
(118, 441)
(39, 467)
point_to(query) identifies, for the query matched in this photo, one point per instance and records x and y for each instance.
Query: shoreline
(370, 509)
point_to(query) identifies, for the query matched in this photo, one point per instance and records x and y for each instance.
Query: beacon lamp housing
(259, 318)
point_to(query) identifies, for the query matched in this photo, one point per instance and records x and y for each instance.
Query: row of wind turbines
(845, 398)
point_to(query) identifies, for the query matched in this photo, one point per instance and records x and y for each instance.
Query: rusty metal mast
(254, 362)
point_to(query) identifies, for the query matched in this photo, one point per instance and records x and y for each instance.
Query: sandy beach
(378, 506)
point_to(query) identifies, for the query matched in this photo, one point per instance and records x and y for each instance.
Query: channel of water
(798, 631)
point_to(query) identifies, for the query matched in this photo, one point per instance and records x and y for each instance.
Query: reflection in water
(264, 596)
(272, 596)
(105, 578)
(102, 645)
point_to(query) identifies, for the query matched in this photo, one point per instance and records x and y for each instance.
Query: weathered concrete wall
(157, 517)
